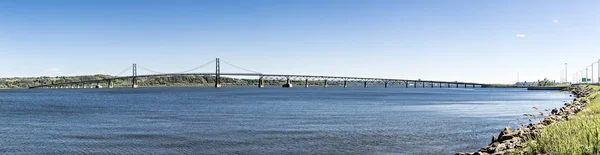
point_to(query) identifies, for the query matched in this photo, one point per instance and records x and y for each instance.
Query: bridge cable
(123, 72)
(240, 67)
(186, 71)
(203, 65)
(149, 70)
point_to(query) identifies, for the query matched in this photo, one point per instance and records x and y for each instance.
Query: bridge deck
(312, 77)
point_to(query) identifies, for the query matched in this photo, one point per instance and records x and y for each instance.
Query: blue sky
(462, 40)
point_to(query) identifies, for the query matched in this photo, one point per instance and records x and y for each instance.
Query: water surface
(260, 121)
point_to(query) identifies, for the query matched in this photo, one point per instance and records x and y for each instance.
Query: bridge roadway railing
(284, 76)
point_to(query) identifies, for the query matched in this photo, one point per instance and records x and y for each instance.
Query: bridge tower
(134, 83)
(217, 74)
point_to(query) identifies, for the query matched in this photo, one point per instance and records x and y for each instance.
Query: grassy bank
(578, 135)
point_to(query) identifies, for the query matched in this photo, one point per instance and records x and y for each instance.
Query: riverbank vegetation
(578, 135)
(157, 81)
(176, 80)
(545, 82)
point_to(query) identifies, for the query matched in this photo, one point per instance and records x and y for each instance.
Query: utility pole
(567, 72)
(592, 78)
(560, 77)
(586, 74)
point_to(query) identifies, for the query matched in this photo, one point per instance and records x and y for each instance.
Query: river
(188, 120)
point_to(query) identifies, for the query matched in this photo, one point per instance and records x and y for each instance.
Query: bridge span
(289, 78)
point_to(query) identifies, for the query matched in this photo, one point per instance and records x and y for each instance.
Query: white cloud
(520, 35)
(555, 21)
(53, 71)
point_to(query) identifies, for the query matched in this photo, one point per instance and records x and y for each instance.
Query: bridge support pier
(110, 85)
(261, 82)
(288, 84)
(423, 84)
(385, 84)
(415, 84)
(465, 85)
(325, 85)
(456, 85)
(406, 84)
(366, 84)
(306, 83)
(345, 84)
(473, 86)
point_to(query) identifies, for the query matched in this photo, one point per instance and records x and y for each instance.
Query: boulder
(494, 139)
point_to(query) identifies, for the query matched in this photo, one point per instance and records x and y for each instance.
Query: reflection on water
(260, 121)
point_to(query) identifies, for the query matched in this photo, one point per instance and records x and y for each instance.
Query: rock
(508, 136)
(494, 139)
(517, 140)
(567, 117)
(481, 153)
(554, 111)
(486, 149)
(507, 129)
(501, 147)
(495, 144)
(464, 153)
(498, 153)
(511, 145)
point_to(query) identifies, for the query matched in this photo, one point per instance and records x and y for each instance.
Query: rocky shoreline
(512, 139)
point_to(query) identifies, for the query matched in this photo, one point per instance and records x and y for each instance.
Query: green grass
(580, 135)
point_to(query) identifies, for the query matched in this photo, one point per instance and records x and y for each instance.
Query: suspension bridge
(260, 77)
